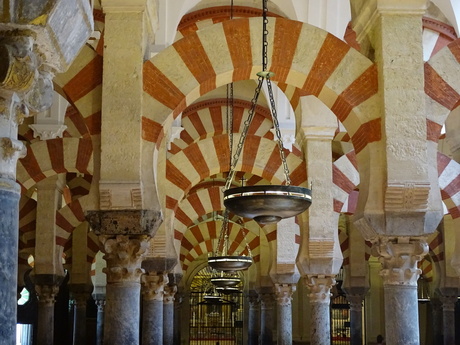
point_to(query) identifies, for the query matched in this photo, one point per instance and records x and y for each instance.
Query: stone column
(356, 318)
(47, 288)
(100, 303)
(448, 317)
(254, 318)
(152, 304)
(320, 299)
(399, 258)
(177, 318)
(284, 298)
(267, 318)
(80, 295)
(168, 314)
(122, 312)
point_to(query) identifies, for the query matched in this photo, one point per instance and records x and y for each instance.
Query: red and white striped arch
(301, 55)
(210, 156)
(81, 85)
(55, 156)
(208, 118)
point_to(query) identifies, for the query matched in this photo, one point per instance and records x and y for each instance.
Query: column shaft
(448, 318)
(100, 321)
(152, 322)
(168, 314)
(46, 299)
(121, 324)
(254, 320)
(9, 215)
(284, 298)
(356, 319)
(79, 321)
(267, 318)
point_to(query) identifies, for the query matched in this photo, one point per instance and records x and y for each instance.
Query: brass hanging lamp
(220, 260)
(265, 203)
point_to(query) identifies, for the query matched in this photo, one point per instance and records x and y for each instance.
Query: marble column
(177, 318)
(267, 318)
(168, 313)
(284, 294)
(356, 318)
(122, 311)
(436, 315)
(17, 75)
(100, 303)
(399, 258)
(320, 299)
(47, 288)
(448, 317)
(80, 295)
(152, 307)
(254, 319)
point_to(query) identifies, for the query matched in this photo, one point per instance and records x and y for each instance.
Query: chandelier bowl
(267, 204)
(225, 281)
(230, 263)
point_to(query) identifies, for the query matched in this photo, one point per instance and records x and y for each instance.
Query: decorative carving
(18, 63)
(100, 303)
(254, 301)
(408, 196)
(153, 286)
(123, 255)
(356, 302)
(169, 293)
(320, 288)
(105, 198)
(48, 131)
(399, 258)
(124, 222)
(284, 293)
(267, 301)
(47, 294)
(136, 197)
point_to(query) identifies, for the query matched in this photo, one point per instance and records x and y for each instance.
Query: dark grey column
(168, 314)
(177, 318)
(284, 316)
(254, 318)
(267, 318)
(320, 300)
(356, 318)
(448, 314)
(9, 223)
(400, 274)
(100, 303)
(80, 295)
(152, 305)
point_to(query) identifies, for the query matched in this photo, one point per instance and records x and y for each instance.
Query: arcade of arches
(115, 150)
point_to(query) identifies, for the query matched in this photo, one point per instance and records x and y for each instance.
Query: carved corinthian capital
(320, 288)
(399, 258)
(123, 255)
(284, 293)
(153, 286)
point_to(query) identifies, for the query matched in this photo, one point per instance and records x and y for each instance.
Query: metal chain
(264, 75)
(230, 118)
(244, 133)
(278, 132)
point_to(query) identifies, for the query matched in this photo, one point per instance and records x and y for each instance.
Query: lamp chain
(264, 75)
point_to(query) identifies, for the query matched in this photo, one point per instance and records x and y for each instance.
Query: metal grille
(340, 320)
(217, 321)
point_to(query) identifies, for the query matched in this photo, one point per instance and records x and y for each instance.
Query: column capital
(266, 300)
(100, 303)
(169, 294)
(46, 294)
(153, 286)
(356, 301)
(284, 293)
(399, 258)
(320, 287)
(124, 257)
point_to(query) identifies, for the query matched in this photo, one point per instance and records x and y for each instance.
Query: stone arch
(55, 156)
